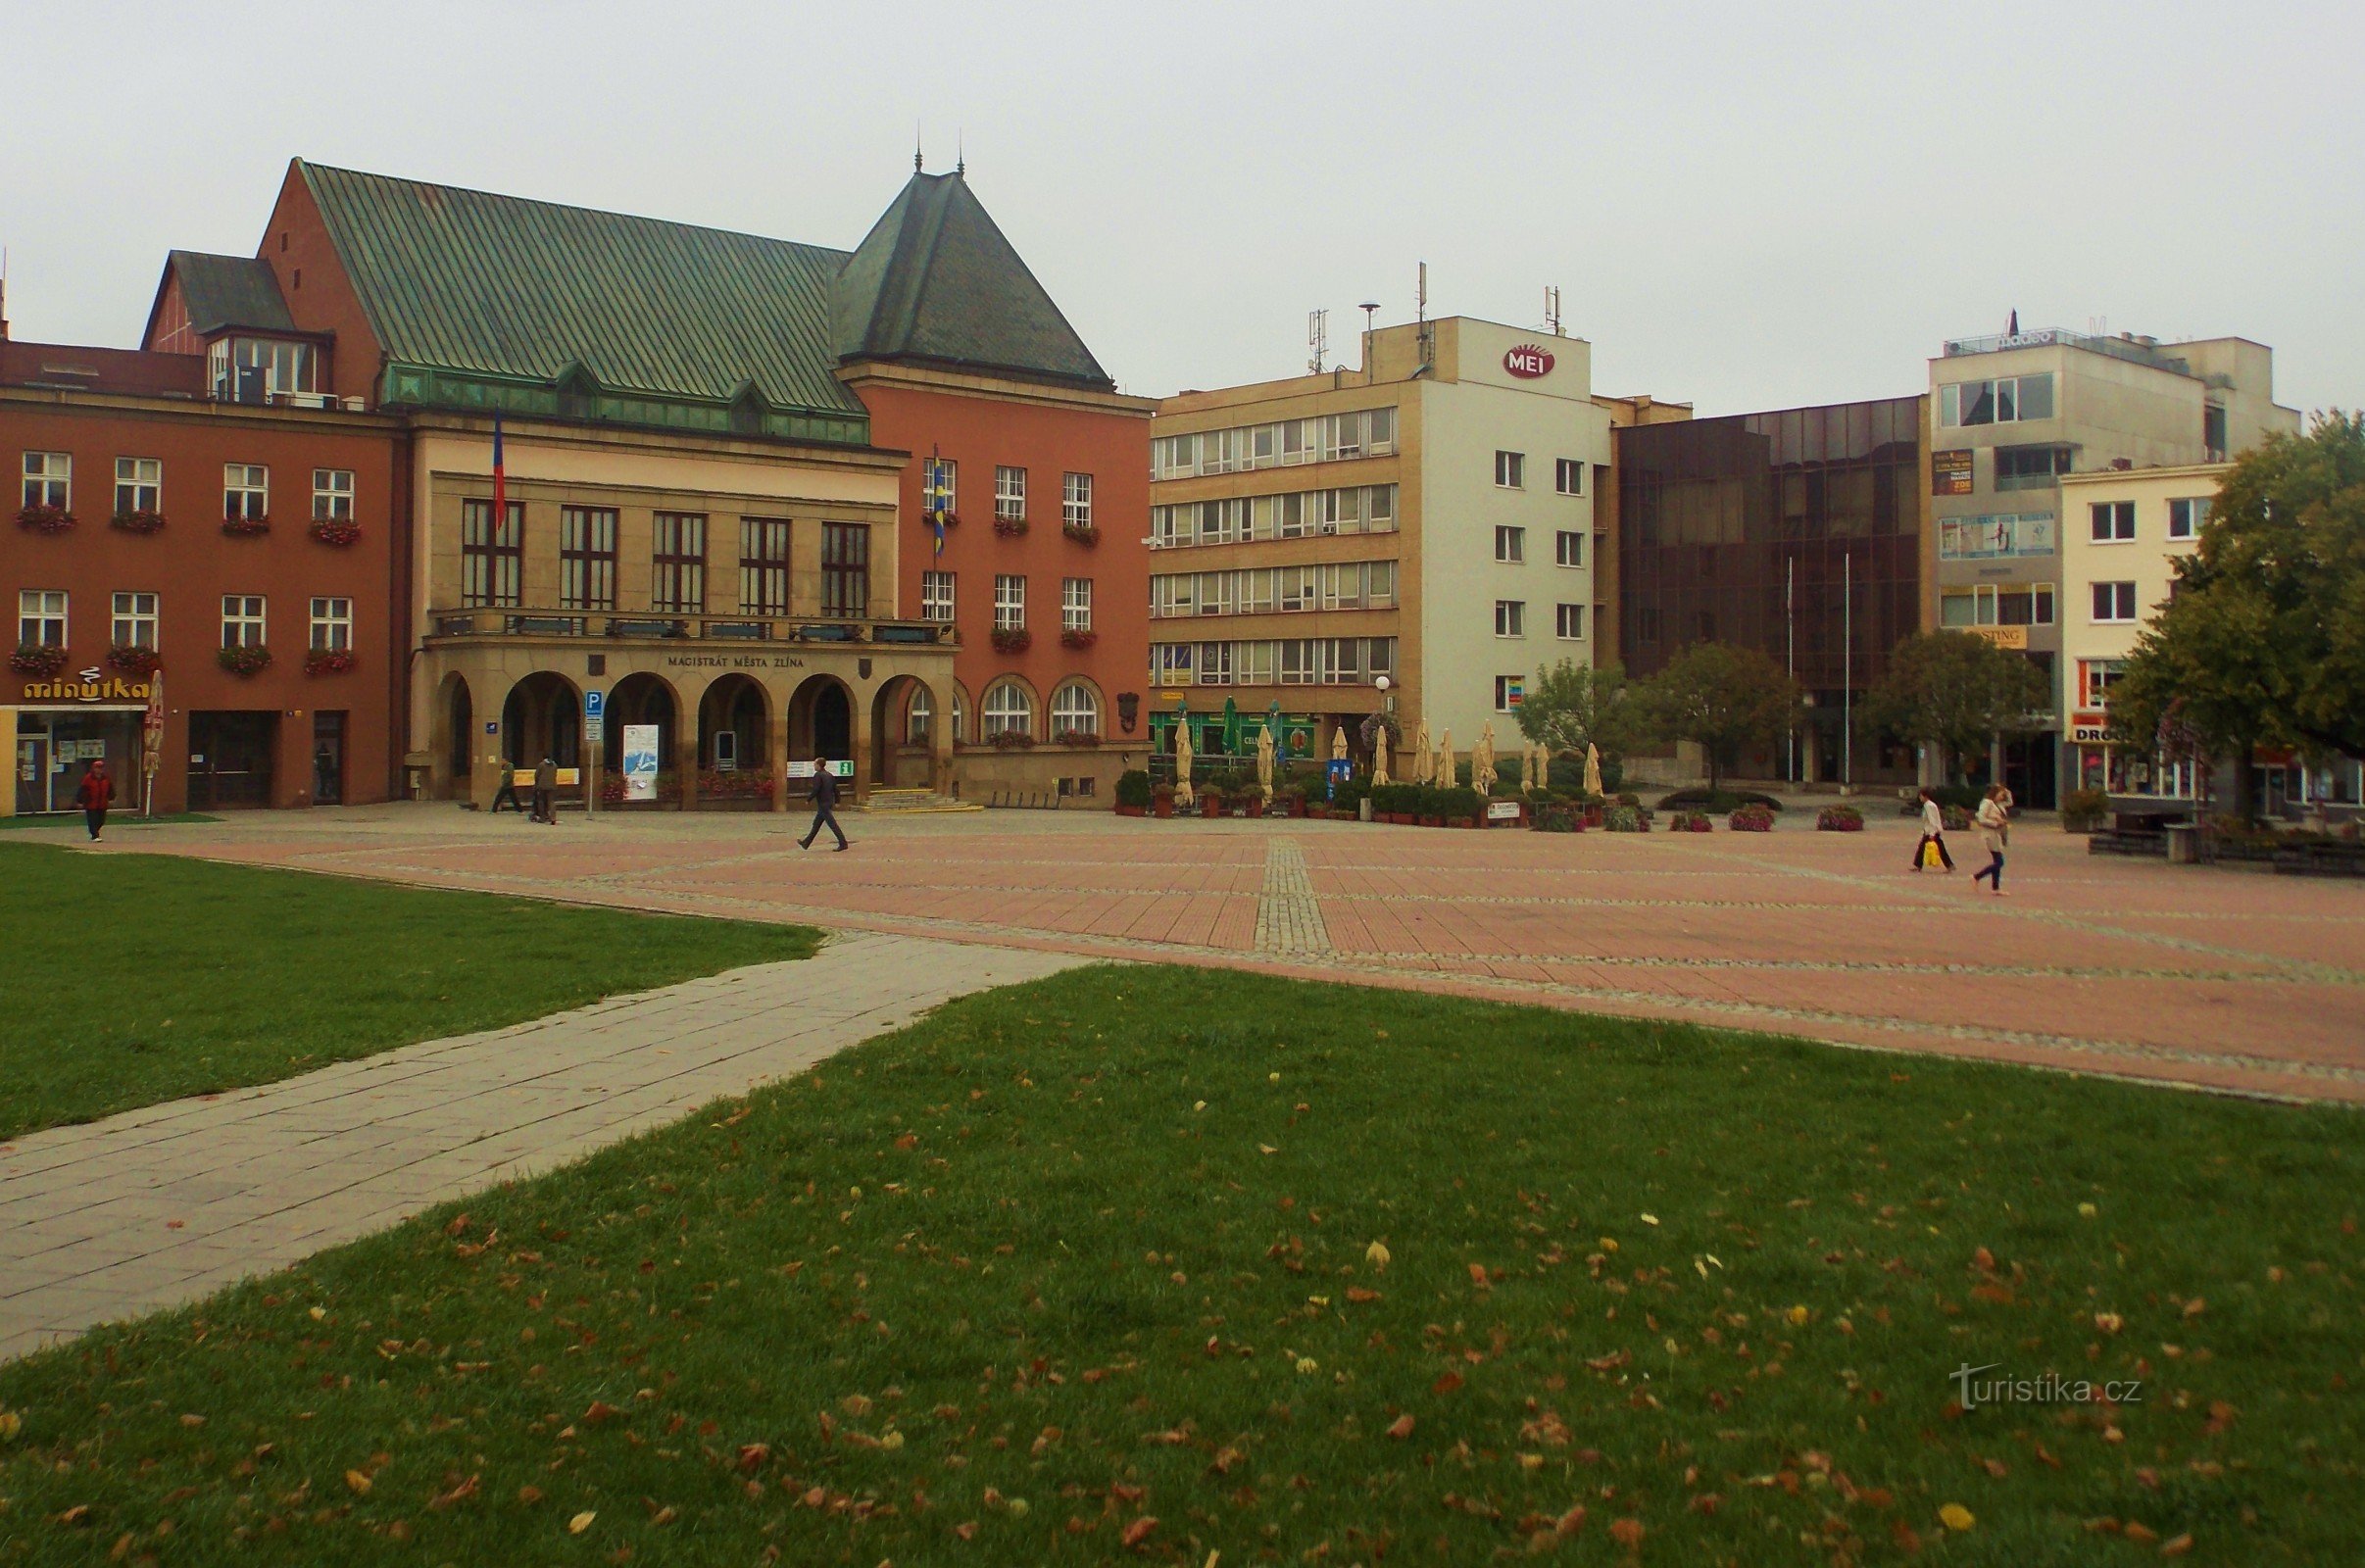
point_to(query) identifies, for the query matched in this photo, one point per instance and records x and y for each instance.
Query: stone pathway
(165, 1205)
(1289, 917)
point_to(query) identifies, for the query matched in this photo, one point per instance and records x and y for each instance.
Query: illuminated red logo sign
(1528, 361)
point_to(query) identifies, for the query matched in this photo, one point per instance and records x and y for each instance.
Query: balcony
(606, 626)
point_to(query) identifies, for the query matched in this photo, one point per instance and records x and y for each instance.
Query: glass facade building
(1775, 531)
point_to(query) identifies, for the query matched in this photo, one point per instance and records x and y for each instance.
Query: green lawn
(131, 979)
(1001, 1288)
(115, 819)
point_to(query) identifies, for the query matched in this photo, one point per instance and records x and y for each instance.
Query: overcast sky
(1746, 206)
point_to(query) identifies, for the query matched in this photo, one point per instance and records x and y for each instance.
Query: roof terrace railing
(2053, 337)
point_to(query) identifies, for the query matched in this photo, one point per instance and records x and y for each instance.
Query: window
(1010, 602)
(1568, 621)
(2030, 533)
(249, 369)
(2113, 522)
(332, 494)
(677, 563)
(1075, 501)
(1568, 548)
(1075, 604)
(134, 620)
(331, 625)
(1511, 617)
(764, 566)
(492, 557)
(2187, 518)
(919, 716)
(846, 569)
(940, 483)
(49, 479)
(2030, 468)
(2213, 431)
(936, 596)
(1075, 710)
(245, 492)
(1510, 544)
(1009, 710)
(1507, 692)
(2011, 399)
(1010, 494)
(2009, 604)
(2096, 677)
(242, 620)
(139, 485)
(1379, 585)
(1646, 623)
(586, 558)
(1568, 477)
(2114, 601)
(960, 717)
(1510, 470)
(41, 617)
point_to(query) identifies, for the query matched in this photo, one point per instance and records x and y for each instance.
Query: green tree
(2263, 641)
(1958, 692)
(1572, 706)
(1722, 698)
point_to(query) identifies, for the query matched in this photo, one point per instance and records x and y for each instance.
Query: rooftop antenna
(1317, 338)
(1369, 308)
(3, 293)
(1552, 309)
(916, 143)
(960, 156)
(1425, 333)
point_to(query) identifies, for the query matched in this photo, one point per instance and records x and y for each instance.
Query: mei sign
(1529, 362)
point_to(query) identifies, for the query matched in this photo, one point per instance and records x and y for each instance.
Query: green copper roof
(604, 310)
(229, 291)
(935, 280)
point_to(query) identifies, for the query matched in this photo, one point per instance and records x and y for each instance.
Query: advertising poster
(640, 761)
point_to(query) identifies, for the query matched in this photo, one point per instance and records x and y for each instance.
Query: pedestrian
(96, 794)
(1994, 832)
(1934, 832)
(546, 789)
(824, 796)
(508, 788)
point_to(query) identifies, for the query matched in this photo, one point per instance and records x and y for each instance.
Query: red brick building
(245, 549)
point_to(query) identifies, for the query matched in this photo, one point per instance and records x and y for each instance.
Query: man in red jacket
(96, 795)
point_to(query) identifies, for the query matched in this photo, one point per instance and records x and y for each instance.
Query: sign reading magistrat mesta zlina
(1528, 361)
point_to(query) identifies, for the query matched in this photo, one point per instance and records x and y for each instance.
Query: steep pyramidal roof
(228, 291)
(935, 280)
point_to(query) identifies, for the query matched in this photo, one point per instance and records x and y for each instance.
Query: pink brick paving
(2223, 979)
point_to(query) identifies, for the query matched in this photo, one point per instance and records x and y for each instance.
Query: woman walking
(1994, 832)
(96, 794)
(1934, 832)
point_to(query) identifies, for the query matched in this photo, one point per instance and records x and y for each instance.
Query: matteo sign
(1528, 361)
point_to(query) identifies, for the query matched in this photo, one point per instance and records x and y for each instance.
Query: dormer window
(259, 370)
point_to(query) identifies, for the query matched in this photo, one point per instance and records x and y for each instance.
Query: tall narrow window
(2187, 515)
(492, 556)
(677, 563)
(1009, 710)
(49, 479)
(936, 596)
(1010, 602)
(245, 492)
(939, 484)
(1569, 621)
(1075, 604)
(586, 558)
(764, 566)
(331, 625)
(1010, 494)
(1075, 501)
(139, 485)
(1075, 710)
(41, 616)
(332, 494)
(1511, 617)
(846, 569)
(134, 620)
(242, 625)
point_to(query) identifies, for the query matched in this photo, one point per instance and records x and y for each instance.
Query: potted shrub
(1293, 801)
(1133, 793)
(1071, 638)
(1011, 640)
(142, 521)
(1251, 800)
(247, 660)
(1688, 823)
(329, 661)
(2083, 811)
(1751, 818)
(1211, 800)
(1624, 818)
(1161, 799)
(1462, 807)
(245, 527)
(1838, 819)
(133, 659)
(338, 531)
(38, 659)
(44, 520)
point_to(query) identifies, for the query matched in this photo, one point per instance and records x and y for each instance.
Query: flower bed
(338, 531)
(1011, 640)
(38, 659)
(1010, 527)
(1078, 639)
(133, 659)
(1751, 819)
(739, 784)
(1688, 823)
(1626, 819)
(44, 520)
(245, 527)
(1838, 819)
(330, 661)
(1083, 533)
(243, 660)
(141, 521)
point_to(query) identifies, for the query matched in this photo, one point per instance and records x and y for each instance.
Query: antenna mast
(1551, 309)
(1425, 333)
(1317, 338)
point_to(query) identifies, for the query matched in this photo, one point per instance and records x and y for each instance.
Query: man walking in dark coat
(824, 796)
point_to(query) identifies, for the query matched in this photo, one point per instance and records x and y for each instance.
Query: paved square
(2219, 977)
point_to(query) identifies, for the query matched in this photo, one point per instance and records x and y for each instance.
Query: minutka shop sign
(91, 688)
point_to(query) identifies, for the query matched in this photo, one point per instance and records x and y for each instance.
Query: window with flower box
(1075, 710)
(245, 492)
(139, 485)
(1010, 494)
(492, 557)
(242, 620)
(1075, 501)
(331, 625)
(939, 484)
(1010, 602)
(1075, 604)
(332, 494)
(49, 480)
(1009, 710)
(134, 620)
(41, 617)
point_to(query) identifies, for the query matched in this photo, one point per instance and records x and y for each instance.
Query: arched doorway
(459, 749)
(904, 716)
(820, 721)
(734, 740)
(542, 716)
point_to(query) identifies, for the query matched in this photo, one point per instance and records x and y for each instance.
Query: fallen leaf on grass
(1626, 1532)
(1138, 1531)
(1376, 1255)
(1955, 1516)
(580, 1522)
(358, 1482)
(1401, 1427)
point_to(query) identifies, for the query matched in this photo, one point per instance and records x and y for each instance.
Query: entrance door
(328, 759)
(230, 759)
(32, 773)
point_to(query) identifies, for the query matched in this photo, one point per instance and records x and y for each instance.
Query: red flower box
(133, 659)
(1075, 737)
(38, 659)
(1078, 639)
(1010, 527)
(45, 519)
(1083, 533)
(330, 662)
(338, 531)
(142, 522)
(243, 660)
(1010, 740)
(1011, 640)
(245, 527)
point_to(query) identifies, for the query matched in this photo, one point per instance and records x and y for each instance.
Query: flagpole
(1847, 666)
(1789, 572)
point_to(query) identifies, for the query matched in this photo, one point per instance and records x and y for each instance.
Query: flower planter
(1162, 805)
(1010, 527)
(44, 520)
(136, 660)
(1009, 641)
(38, 661)
(1011, 740)
(1085, 535)
(1432, 822)
(137, 521)
(1213, 805)
(1128, 810)
(1078, 639)
(1076, 737)
(329, 661)
(243, 660)
(245, 527)
(335, 531)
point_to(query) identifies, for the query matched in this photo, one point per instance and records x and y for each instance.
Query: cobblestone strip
(1289, 918)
